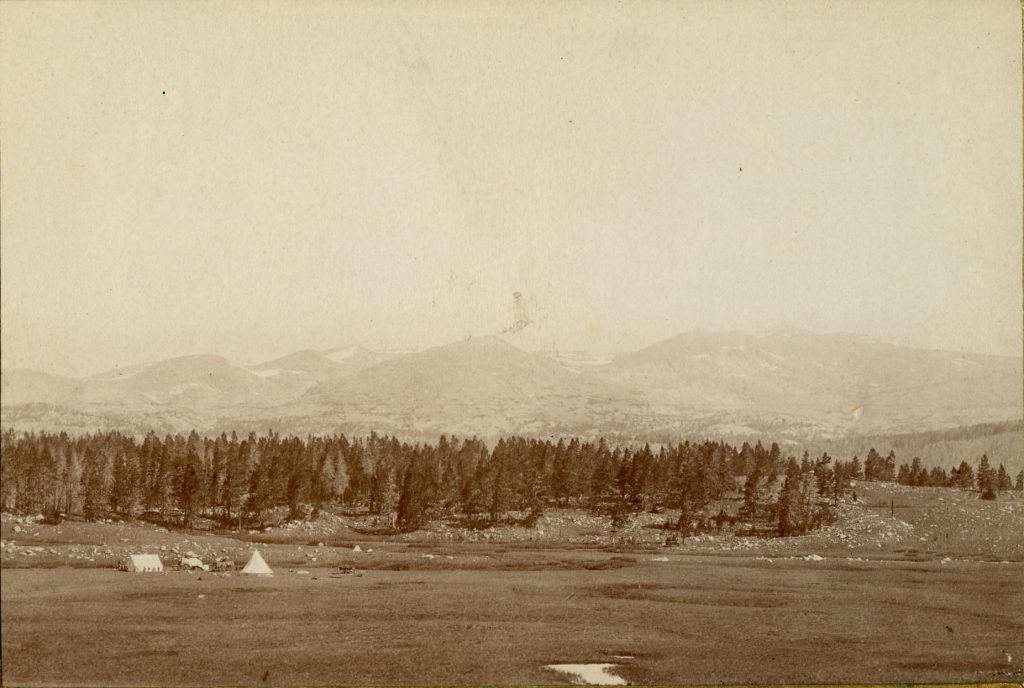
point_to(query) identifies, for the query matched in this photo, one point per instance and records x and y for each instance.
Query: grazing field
(912, 585)
(691, 619)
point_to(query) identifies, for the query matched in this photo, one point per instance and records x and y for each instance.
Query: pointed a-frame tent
(256, 566)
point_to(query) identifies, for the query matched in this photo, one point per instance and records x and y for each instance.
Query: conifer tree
(96, 479)
(1003, 482)
(120, 497)
(856, 470)
(986, 479)
(791, 502)
(963, 476)
(873, 466)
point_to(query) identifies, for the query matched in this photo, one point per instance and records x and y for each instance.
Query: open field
(690, 619)
(913, 585)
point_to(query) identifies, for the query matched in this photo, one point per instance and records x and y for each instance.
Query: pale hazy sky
(255, 178)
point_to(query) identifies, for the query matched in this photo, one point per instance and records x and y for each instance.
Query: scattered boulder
(193, 564)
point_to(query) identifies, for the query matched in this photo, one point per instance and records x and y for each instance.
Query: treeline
(989, 481)
(942, 447)
(239, 482)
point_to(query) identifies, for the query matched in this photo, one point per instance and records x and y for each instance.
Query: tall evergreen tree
(986, 479)
(792, 502)
(1003, 482)
(120, 498)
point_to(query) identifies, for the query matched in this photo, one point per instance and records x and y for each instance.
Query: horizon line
(503, 337)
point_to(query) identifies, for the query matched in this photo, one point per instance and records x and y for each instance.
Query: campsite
(916, 585)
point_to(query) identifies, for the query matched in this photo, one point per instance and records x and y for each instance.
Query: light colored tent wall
(144, 563)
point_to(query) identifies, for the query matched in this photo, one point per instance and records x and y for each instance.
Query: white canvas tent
(256, 566)
(143, 563)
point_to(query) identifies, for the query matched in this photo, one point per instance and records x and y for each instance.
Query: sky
(254, 179)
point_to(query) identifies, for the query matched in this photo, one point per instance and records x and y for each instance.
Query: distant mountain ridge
(787, 384)
(871, 382)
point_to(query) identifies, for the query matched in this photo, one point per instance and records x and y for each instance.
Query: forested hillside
(234, 481)
(1002, 442)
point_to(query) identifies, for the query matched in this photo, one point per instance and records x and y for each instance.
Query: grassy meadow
(910, 605)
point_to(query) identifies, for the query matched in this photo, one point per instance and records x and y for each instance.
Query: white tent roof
(257, 566)
(144, 562)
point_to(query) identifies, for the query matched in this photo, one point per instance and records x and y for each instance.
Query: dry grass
(481, 613)
(690, 620)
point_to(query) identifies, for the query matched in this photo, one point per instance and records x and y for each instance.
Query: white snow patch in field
(591, 674)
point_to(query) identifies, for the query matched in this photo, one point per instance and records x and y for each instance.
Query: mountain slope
(18, 386)
(186, 381)
(788, 385)
(295, 374)
(479, 385)
(849, 381)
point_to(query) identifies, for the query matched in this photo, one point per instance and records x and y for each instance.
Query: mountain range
(785, 384)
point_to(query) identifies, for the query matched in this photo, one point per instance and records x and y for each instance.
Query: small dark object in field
(949, 628)
(601, 565)
(53, 518)
(395, 566)
(345, 568)
(266, 675)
